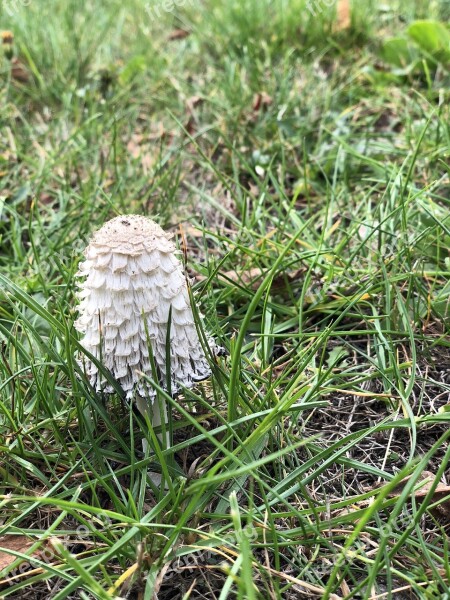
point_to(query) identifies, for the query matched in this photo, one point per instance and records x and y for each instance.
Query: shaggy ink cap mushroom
(132, 284)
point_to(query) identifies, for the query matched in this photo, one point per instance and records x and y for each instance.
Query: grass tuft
(309, 179)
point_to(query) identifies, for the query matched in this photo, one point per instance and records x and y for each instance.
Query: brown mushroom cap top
(132, 234)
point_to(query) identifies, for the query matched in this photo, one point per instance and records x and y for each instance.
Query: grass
(310, 182)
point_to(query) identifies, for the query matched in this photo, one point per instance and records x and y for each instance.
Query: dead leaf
(134, 145)
(17, 543)
(193, 102)
(46, 199)
(252, 278)
(193, 467)
(261, 100)
(343, 15)
(345, 589)
(12, 151)
(19, 71)
(178, 34)
(442, 510)
(193, 232)
(139, 148)
(147, 161)
(190, 126)
(157, 131)
(422, 491)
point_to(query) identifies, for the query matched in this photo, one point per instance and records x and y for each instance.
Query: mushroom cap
(131, 234)
(132, 287)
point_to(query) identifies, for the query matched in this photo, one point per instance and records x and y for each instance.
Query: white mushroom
(133, 291)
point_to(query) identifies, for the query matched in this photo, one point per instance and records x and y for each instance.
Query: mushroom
(133, 292)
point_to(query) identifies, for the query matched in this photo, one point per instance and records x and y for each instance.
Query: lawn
(300, 156)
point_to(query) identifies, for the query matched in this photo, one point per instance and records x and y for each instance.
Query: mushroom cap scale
(131, 282)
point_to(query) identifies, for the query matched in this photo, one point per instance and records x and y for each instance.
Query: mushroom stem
(152, 410)
(156, 416)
